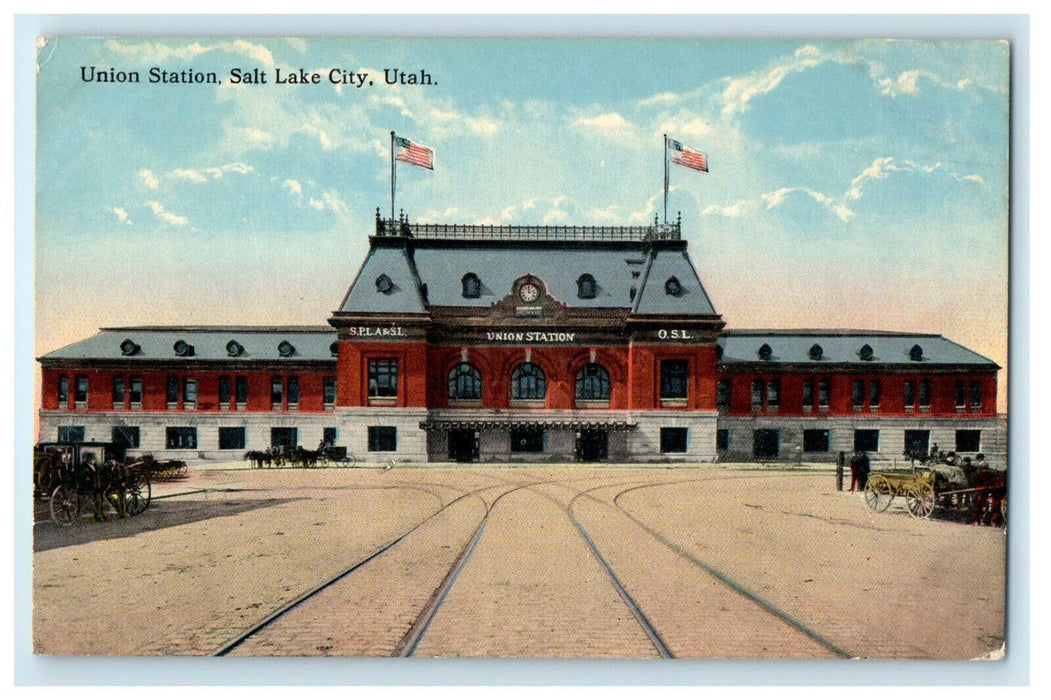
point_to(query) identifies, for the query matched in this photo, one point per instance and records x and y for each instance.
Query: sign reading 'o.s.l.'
(675, 334)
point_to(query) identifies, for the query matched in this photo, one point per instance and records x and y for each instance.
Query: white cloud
(166, 216)
(157, 52)
(122, 215)
(738, 92)
(256, 135)
(317, 204)
(486, 127)
(731, 211)
(331, 201)
(293, 186)
(881, 168)
(610, 120)
(905, 83)
(189, 174)
(238, 168)
(769, 201)
(148, 178)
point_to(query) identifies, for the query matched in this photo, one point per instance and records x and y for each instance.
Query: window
(874, 394)
(172, 392)
(383, 378)
(773, 394)
(858, 395)
(181, 438)
(722, 439)
(81, 393)
(766, 443)
(910, 396)
(866, 440)
(284, 437)
(118, 391)
(960, 390)
(63, 392)
(383, 438)
(136, 392)
(824, 389)
(71, 433)
(241, 388)
(465, 383)
(528, 383)
(586, 287)
(976, 396)
(189, 393)
(593, 383)
(673, 440)
(224, 392)
(674, 378)
(815, 440)
(758, 394)
(330, 391)
(968, 440)
(472, 286)
(329, 436)
(384, 284)
(277, 393)
(722, 394)
(231, 438)
(126, 436)
(917, 442)
(808, 395)
(293, 392)
(925, 395)
(673, 287)
(527, 440)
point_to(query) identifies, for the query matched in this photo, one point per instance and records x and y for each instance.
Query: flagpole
(393, 176)
(665, 179)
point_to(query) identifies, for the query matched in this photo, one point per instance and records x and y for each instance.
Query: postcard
(521, 348)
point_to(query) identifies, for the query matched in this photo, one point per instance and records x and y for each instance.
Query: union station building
(524, 343)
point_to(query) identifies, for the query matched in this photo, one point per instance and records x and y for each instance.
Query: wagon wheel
(920, 500)
(879, 493)
(350, 460)
(65, 504)
(137, 493)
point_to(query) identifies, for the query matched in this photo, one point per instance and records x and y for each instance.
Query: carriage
(70, 475)
(298, 456)
(982, 496)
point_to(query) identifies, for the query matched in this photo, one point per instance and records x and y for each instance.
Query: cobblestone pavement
(723, 562)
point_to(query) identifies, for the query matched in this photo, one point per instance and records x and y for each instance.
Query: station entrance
(592, 445)
(463, 445)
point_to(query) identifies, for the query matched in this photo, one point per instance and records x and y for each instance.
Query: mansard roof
(231, 343)
(427, 264)
(844, 347)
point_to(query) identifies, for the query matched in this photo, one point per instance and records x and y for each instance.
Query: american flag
(687, 157)
(414, 153)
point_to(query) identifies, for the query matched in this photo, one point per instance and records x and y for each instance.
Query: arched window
(593, 383)
(916, 353)
(472, 286)
(816, 352)
(465, 383)
(865, 353)
(528, 383)
(586, 287)
(765, 352)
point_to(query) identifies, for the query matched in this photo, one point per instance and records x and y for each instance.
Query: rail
(401, 227)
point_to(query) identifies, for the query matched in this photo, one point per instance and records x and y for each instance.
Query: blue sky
(856, 184)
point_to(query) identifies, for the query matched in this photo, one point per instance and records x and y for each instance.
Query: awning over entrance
(553, 423)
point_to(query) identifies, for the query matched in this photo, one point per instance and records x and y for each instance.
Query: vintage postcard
(523, 348)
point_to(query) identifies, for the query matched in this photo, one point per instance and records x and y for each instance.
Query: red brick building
(523, 343)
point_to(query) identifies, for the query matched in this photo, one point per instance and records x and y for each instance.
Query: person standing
(855, 471)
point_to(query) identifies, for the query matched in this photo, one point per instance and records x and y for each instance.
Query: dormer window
(333, 349)
(384, 284)
(183, 349)
(816, 352)
(586, 287)
(916, 353)
(234, 349)
(285, 349)
(765, 353)
(673, 287)
(129, 347)
(865, 353)
(472, 286)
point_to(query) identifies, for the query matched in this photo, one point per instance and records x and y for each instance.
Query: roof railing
(401, 227)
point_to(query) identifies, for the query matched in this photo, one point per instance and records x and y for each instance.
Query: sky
(852, 184)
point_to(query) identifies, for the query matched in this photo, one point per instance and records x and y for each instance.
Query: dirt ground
(718, 557)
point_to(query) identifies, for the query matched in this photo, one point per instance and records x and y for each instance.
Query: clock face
(528, 293)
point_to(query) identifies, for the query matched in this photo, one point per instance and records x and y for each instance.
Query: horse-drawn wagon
(983, 495)
(71, 475)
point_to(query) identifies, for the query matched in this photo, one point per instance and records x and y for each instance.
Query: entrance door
(766, 443)
(592, 445)
(463, 445)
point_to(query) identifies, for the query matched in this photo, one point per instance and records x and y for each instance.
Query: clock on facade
(528, 293)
